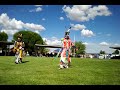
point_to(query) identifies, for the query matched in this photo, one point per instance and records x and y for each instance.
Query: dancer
(65, 58)
(18, 49)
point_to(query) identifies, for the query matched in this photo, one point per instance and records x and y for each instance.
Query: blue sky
(97, 26)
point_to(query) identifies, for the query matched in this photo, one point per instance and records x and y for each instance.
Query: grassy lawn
(44, 71)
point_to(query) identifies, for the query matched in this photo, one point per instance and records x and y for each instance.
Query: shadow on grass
(24, 61)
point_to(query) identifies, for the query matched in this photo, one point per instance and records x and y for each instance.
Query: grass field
(44, 71)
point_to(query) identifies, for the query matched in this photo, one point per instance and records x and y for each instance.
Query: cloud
(77, 26)
(83, 13)
(32, 26)
(43, 19)
(38, 5)
(84, 31)
(11, 26)
(104, 44)
(38, 9)
(52, 41)
(96, 48)
(36, 31)
(116, 44)
(108, 35)
(87, 33)
(85, 43)
(9, 32)
(61, 18)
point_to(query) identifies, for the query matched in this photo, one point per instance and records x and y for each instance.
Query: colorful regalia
(65, 58)
(18, 49)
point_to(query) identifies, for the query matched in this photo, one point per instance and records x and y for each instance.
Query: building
(5, 47)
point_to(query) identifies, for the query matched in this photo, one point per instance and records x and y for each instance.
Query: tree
(3, 36)
(116, 52)
(80, 48)
(102, 52)
(30, 39)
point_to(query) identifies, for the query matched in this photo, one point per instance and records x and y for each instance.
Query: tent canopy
(6, 43)
(115, 48)
(48, 46)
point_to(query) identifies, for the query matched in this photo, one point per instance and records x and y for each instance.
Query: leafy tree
(30, 38)
(3, 36)
(102, 52)
(116, 52)
(79, 48)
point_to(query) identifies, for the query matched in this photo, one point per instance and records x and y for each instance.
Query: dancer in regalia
(18, 49)
(65, 58)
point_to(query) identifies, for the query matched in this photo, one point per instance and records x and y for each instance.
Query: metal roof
(115, 48)
(6, 42)
(49, 46)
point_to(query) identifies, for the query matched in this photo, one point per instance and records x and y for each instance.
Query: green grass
(44, 71)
